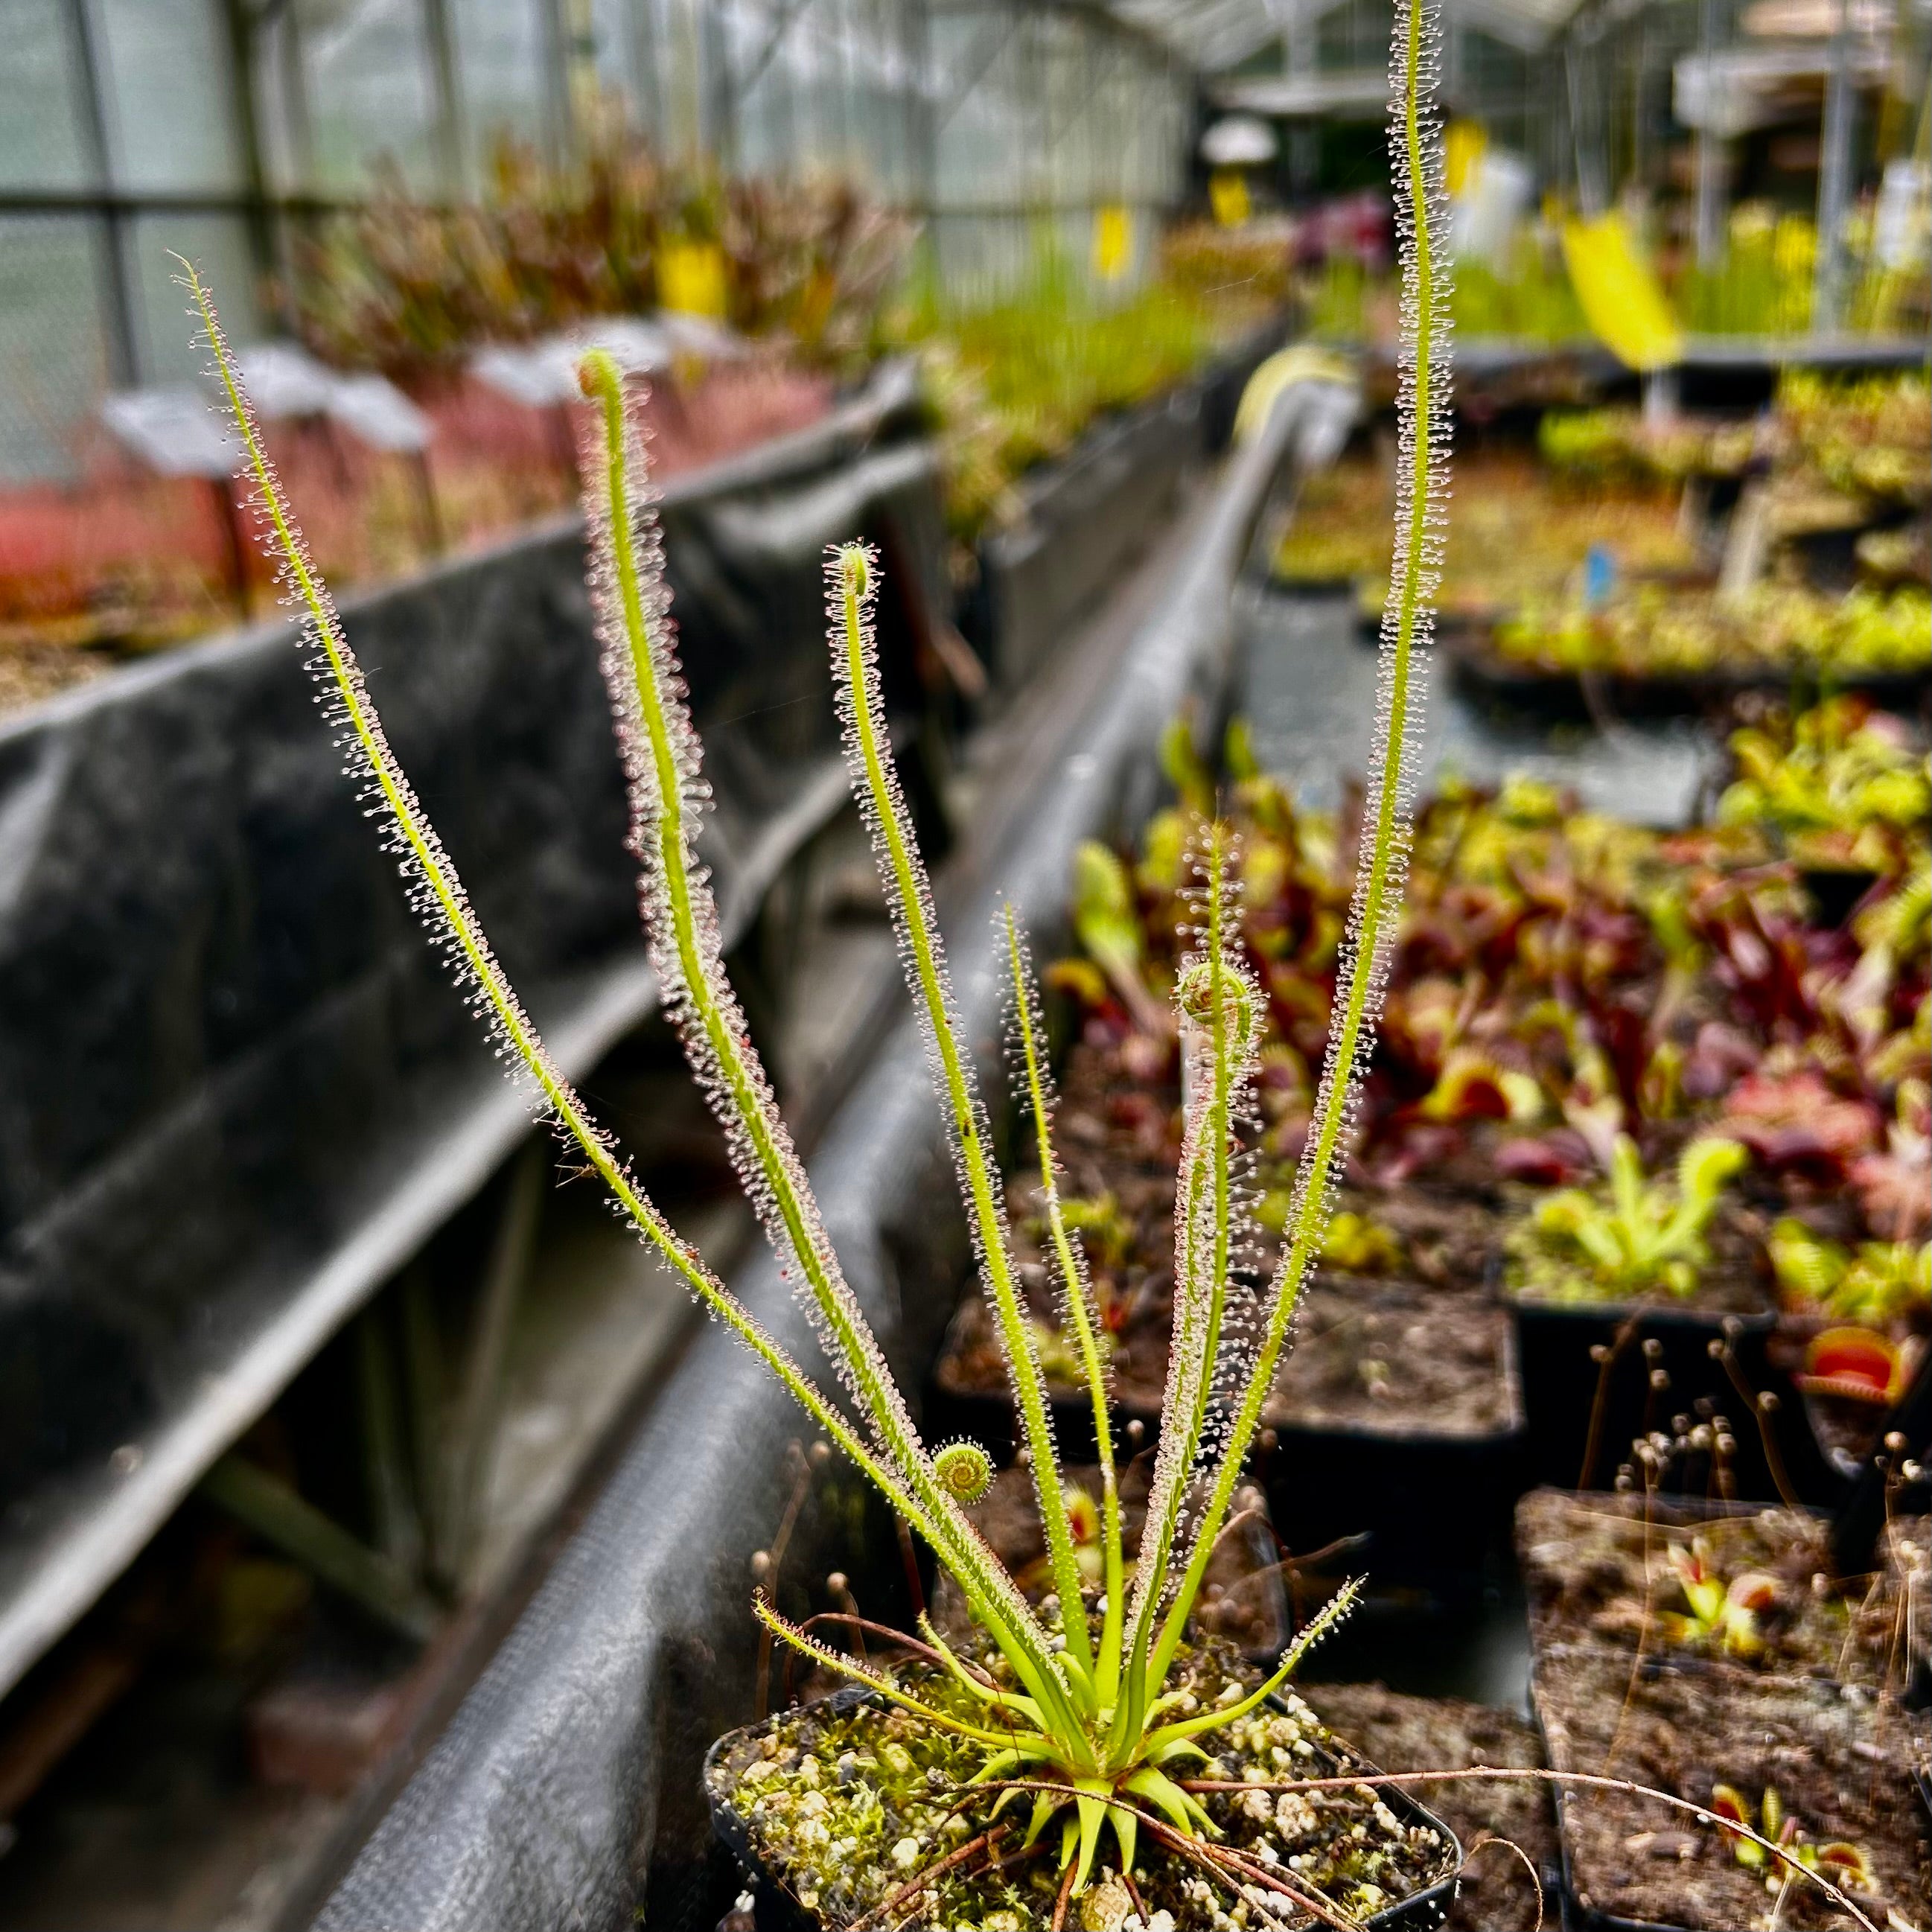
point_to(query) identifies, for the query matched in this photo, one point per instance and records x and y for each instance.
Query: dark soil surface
(1396, 1358)
(1352, 1366)
(1243, 1599)
(1401, 1733)
(849, 1805)
(1389, 1357)
(1447, 1238)
(1596, 1572)
(1119, 1139)
(1838, 1756)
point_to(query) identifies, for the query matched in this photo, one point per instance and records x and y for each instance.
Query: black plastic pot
(1575, 1915)
(774, 1909)
(1835, 891)
(1585, 1412)
(988, 1417)
(1578, 1917)
(1434, 1503)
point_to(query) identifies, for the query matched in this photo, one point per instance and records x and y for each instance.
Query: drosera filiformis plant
(1083, 1728)
(1082, 1710)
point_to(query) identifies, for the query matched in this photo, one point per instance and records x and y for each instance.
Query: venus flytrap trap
(1090, 1717)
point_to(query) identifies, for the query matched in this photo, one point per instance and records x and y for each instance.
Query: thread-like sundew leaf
(437, 895)
(1422, 406)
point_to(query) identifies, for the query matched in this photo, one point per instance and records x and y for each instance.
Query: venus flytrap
(1092, 1721)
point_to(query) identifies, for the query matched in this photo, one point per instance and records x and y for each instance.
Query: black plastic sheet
(236, 1091)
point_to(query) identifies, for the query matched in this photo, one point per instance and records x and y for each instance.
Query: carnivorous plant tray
(1753, 1587)
(1866, 437)
(1840, 787)
(1515, 538)
(1694, 636)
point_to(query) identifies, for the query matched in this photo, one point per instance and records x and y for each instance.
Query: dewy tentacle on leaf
(662, 761)
(1077, 1294)
(851, 585)
(1421, 519)
(1216, 1005)
(437, 894)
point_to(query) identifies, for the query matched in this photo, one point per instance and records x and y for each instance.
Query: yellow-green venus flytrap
(1091, 1729)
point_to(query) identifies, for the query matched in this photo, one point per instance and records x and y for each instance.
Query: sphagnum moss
(1083, 1717)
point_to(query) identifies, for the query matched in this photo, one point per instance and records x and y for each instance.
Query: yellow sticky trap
(691, 278)
(1228, 195)
(1621, 298)
(1465, 142)
(1113, 242)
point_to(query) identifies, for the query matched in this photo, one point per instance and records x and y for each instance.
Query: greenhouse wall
(128, 130)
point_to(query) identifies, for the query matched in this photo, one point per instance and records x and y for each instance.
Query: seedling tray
(1806, 1730)
(775, 1909)
(1597, 1573)
(1485, 673)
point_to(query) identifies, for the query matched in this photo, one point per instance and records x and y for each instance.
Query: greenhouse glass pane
(678, 44)
(644, 20)
(612, 34)
(768, 105)
(503, 58)
(53, 350)
(279, 106)
(370, 95)
(43, 143)
(983, 258)
(983, 139)
(168, 79)
(166, 345)
(812, 65)
(1068, 70)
